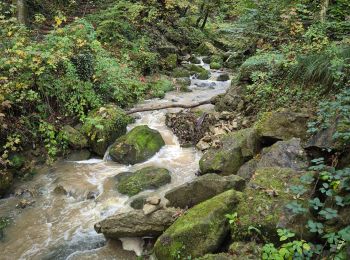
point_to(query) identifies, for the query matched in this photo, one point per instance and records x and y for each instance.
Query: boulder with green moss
(245, 250)
(207, 49)
(137, 146)
(200, 231)
(75, 139)
(220, 256)
(17, 161)
(195, 60)
(198, 71)
(233, 100)
(144, 179)
(236, 148)
(215, 65)
(263, 205)
(282, 125)
(103, 126)
(6, 179)
(262, 62)
(201, 189)
(181, 73)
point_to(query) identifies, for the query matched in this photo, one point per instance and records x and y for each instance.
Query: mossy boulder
(207, 49)
(215, 65)
(103, 126)
(236, 148)
(221, 256)
(245, 250)
(223, 77)
(198, 71)
(6, 179)
(137, 146)
(75, 139)
(261, 62)
(195, 60)
(200, 231)
(144, 179)
(263, 205)
(181, 73)
(201, 189)
(233, 100)
(282, 125)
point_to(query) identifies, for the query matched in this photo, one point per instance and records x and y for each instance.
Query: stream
(60, 226)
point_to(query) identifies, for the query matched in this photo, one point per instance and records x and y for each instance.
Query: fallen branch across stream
(165, 106)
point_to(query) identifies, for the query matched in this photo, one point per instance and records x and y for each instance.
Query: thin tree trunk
(205, 19)
(21, 11)
(165, 106)
(200, 15)
(324, 9)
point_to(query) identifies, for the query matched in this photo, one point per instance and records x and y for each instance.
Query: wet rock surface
(201, 189)
(137, 224)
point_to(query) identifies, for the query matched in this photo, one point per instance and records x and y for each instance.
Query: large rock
(282, 125)
(264, 205)
(237, 148)
(198, 71)
(103, 126)
(201, 189)
(137, 146)
(136, 224)
(76, 140)
(144, 179)
(232, 100)
(245, 250)
(200, 231)
(284, 154)
(6, 179)
(207, 49)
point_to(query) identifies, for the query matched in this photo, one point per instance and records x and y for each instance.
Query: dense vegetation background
(62, 60)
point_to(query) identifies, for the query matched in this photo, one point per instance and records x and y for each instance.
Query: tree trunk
(324, 9)
(21, 11)
(200, 15)
(205, 19)
(165, 106)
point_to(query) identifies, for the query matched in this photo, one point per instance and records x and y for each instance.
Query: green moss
(215, 65)
(181, 73)
(201, 230)
(103, 126)
(147, 178)
(75, 139)
(207, 49)
(4, 222)
(263, 210)
(17, 161)
(140, 144)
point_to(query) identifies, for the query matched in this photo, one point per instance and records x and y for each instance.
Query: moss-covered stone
(221, 256)
(181, 73)
(207, 49)
(103, 126)
(237, 148)
(137, 146)
(245, 250)
(200, 231)
(215, 65)
(76, 140)
(6, 179)
(223, 77)
(264, 205)
(144, 179)
(282, 125)
(195, 60)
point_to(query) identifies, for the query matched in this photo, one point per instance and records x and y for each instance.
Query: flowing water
(60, 226)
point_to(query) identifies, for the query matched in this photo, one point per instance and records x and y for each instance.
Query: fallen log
(165, 106)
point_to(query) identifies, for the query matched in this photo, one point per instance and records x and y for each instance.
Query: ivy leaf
(316, 203)
(296, 208)
(298, 189)
(315, 227)
(328, 213)
(307, 178)
(345, 234)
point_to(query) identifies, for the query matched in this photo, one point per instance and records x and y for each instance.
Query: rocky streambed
(53, 215)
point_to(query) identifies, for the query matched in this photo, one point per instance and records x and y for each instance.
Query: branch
(165, 106)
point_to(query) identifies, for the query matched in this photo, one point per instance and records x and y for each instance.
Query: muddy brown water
(60, 226)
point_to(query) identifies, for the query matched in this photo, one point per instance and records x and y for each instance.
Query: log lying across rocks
(165, 106)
